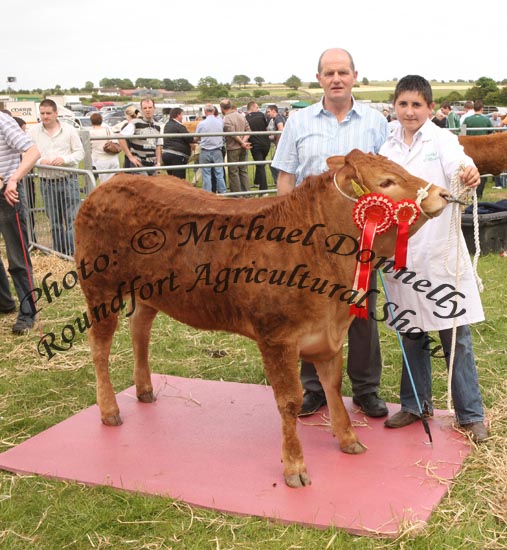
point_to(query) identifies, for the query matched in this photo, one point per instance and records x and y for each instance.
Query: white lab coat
(434, 156)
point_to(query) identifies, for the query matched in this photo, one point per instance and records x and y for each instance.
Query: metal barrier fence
(193, 165)
(53, 195)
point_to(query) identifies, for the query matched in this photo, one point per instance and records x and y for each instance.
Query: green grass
(45, 514)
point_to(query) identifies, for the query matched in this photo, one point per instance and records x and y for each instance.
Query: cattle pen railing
(40, 231)
(193, 164)
(43, 178)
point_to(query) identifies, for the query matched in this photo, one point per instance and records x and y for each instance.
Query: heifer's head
(376, 174)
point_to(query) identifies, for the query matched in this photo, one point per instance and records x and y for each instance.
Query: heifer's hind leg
(100, 337)
(141, 322)
(330, 375)
(281, 366)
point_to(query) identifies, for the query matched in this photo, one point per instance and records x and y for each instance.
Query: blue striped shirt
(210, 125)
(313, 134)
(13, 141)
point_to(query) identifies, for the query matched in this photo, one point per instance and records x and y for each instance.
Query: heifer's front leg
(141, 322)
(281, 366)
(100, 337)
(330, 375)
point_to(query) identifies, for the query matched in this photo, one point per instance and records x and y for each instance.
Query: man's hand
(470, 177)
(11, 191)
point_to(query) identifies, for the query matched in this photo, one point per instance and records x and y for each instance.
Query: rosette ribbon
(406, 213)
(373, 214)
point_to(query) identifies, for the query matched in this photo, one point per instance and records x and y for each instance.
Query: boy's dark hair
(478, 105)
(414, 83)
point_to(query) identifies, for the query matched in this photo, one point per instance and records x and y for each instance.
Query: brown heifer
(268, 269)
(191, 125)
(488, 152)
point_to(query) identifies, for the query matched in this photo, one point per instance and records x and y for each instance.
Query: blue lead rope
(409, 371)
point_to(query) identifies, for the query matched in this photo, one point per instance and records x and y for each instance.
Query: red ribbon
(373, 213)
(406, 213)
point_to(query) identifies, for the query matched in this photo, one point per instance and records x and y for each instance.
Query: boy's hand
(470, 177)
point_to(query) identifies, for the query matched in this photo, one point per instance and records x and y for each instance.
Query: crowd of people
(415, 138)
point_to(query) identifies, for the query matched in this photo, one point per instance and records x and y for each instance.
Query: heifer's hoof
(355, 448)
(113, 420)
(147, 397)
(298, 480)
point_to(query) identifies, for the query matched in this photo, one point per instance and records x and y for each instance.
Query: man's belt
(174, 152)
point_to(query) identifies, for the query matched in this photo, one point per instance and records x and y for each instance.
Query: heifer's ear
(335, 163)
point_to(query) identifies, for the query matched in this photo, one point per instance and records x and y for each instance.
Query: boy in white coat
(434, 154)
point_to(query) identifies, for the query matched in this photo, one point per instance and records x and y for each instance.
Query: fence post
(87, 145)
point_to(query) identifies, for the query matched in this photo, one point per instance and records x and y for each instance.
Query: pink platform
(217, 445)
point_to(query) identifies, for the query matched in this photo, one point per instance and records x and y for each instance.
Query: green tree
(497, 98)
(454, 96)
(483, 87)
(258, 93)
(168, 84)
(88, 86)
(293, 82)
(241, 80)
(122, 83)
(259, 81)
(209, 88)
(182, 85)
(365, 81)
(153, 83)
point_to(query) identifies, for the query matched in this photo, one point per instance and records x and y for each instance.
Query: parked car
(82, 122)
(89, 109)
(113, 117)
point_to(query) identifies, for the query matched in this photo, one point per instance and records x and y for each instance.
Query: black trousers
(364, 360)
(260, 153)
(171, 159)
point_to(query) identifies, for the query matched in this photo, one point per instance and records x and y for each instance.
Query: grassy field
(36, 393)
(375, 91)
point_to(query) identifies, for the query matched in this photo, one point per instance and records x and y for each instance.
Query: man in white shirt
(60, 145)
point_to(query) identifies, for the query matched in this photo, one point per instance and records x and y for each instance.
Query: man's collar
(354, 107)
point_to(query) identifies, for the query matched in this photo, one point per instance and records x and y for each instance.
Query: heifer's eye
(386, 183)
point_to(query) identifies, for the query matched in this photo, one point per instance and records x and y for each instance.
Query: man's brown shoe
(401, 419)
(477, 430)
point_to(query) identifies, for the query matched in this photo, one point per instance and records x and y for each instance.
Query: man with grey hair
(211, 149)
(334, 126)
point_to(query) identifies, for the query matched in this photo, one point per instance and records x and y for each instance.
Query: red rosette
(406, 213)
(374, 207)
(373, 214)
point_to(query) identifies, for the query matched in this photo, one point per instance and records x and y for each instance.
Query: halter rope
(455, 227)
